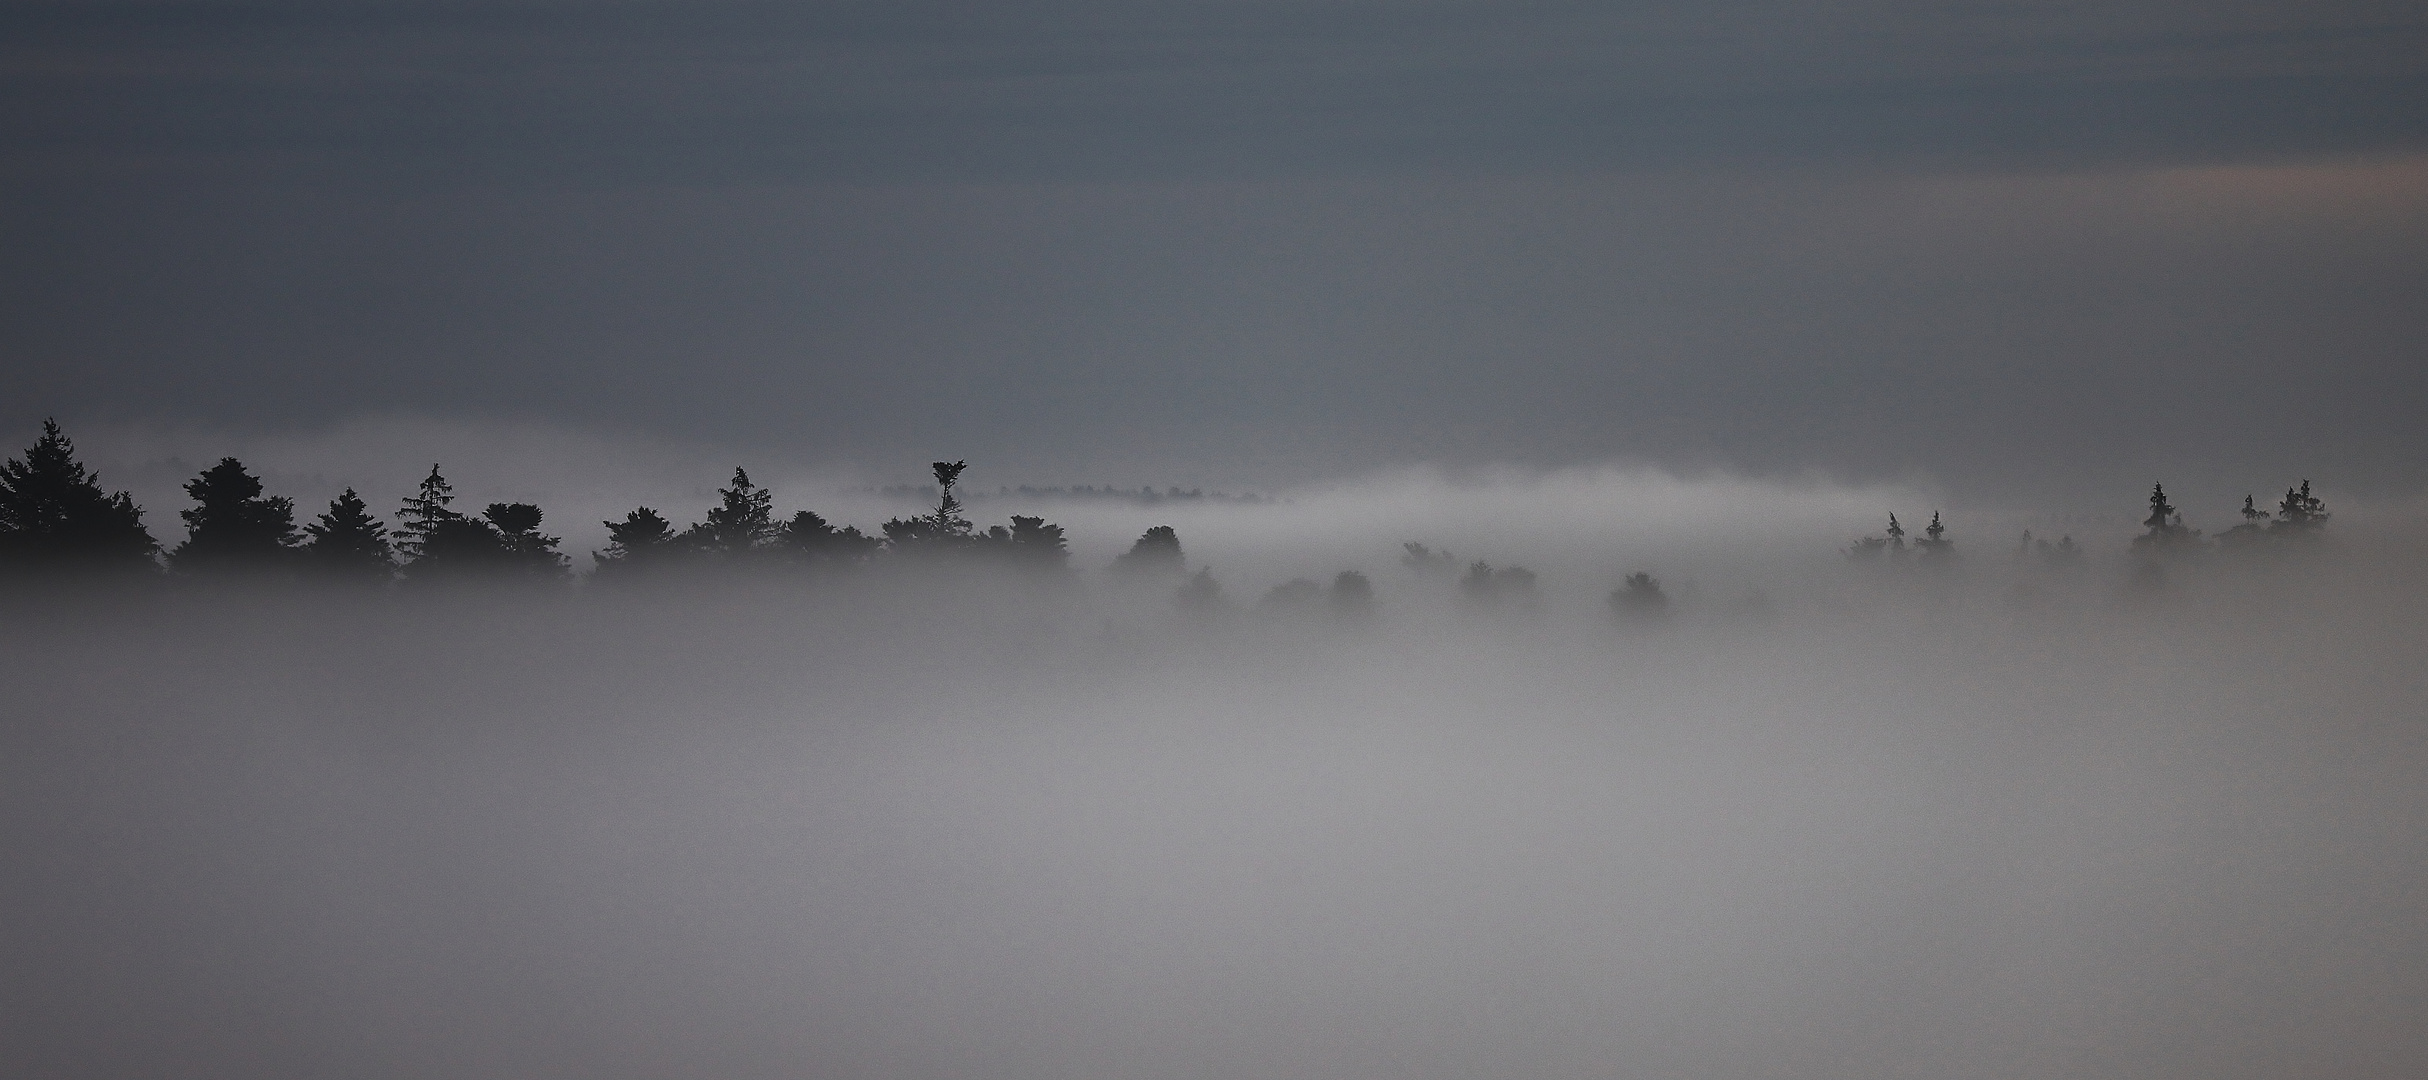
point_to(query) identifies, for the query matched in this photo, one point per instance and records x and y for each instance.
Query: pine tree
(346, 541)
(233, 526)
(54, 516)
(423, 514)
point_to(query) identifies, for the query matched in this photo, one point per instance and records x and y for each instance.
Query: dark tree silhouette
(521, 548)
(1156, 554)
(1639, 599)
(1934, 542)
(2166, 533)
(347, 542)
(942, 528)
(808, 538)
(424, 513)
(643, 539)
(458, 546)
(1030, 543)
(742, 523)
(233, 526)
(2301, 511)
(55, 517)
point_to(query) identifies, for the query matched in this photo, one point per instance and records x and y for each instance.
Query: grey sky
(2018, 248)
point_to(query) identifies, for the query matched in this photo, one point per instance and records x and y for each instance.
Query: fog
(1969, 817)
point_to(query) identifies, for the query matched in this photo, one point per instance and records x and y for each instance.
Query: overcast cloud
(2023, 250)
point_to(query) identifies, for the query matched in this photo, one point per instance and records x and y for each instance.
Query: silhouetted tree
(1155, 554)
(521, 548)
(1639, 599)
(2251, 531)
(458, 546)
(942, 528)
(232, 525)
(423, 513)
(742, 522)
(1030, 543)
(1934, 542)
(55, 517)
(347, 542)
(2301, 511)
(2166, 531)
(643, 539)
(808, 538)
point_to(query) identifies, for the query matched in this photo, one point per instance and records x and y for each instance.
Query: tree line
(57, 519)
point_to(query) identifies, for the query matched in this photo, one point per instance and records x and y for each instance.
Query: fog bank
(1989, 817)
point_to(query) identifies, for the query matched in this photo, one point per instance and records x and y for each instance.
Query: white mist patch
(1979, 817)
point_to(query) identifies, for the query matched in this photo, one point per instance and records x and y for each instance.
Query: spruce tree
(423, 514)
(232, 525)
(346, 541)
(54, 515)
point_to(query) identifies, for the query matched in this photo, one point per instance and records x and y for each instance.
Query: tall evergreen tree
(54, 515)
(424, 513)
(346, 541)
(233, 526)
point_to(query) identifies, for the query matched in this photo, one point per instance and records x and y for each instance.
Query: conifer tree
(1934, 540)
(2166, 529)
(54, 515)
(424, 513)
(2301, 510)
(232, 525)
(347, 541)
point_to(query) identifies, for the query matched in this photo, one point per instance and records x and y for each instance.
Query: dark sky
(2016, 248)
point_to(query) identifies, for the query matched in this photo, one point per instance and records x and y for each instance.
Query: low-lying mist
(1989, 815)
